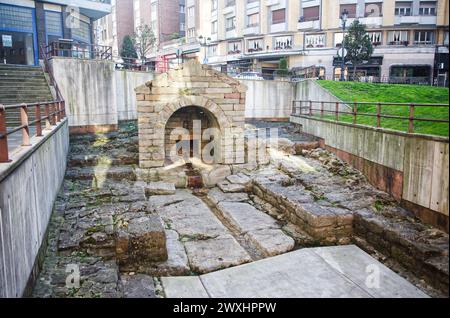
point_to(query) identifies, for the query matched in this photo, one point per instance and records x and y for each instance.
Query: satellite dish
(340, 51)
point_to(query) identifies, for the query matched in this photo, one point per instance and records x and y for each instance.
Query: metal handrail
(305, 108)
(54, 112)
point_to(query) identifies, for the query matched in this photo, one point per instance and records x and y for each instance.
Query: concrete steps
(23, 85)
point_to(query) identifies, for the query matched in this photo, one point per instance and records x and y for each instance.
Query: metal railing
(49, 113)
(334, 111)
(77, 50)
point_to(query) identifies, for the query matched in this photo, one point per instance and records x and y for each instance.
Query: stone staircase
(22, 84)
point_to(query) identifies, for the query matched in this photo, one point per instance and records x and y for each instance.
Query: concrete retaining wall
(97, 95)
(414, 169)
(28, 188)
(268, 99)
(310, 90)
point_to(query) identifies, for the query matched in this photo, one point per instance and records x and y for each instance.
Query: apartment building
(410, 36)
(28, 25)
(111, 29)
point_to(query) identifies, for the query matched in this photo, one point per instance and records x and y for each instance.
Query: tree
(358, 45)
(175, 36)
(143, 41)
(128, 50)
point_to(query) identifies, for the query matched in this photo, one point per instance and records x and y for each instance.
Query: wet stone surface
(112, 236)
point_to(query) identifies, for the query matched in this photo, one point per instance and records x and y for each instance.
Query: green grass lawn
(395, 93)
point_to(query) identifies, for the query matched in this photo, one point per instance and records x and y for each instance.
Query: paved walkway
(338, 271)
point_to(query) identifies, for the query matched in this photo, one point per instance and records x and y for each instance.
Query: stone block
(142, 241)
(159, 188)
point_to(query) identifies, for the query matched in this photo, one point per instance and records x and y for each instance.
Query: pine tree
(358, 45)
(128, 50)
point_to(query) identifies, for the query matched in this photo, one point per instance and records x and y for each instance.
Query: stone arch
(191, 84)
(199, 101)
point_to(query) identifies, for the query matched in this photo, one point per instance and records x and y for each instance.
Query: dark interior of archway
(184, 118)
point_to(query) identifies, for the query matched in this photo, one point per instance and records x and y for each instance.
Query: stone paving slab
(211, 255)
(338, 271)
(184, 287)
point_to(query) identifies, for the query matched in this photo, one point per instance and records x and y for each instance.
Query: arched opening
(192, 132)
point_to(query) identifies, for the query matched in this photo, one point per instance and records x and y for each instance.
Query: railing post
(53, 115)
(47, 116)
(38, 121)
(411, 119)
(310, 108)
(24, 123)
(336, 111)
(57, 115)
(293, 108)
(3, 140)
(300, 108)
(378, 115)
(355, 110)
(321, 109)
(63, 105)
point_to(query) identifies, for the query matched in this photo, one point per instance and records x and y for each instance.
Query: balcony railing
(77, 50)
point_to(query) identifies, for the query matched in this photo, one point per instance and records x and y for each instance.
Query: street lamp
(344, 17)
(204, 43)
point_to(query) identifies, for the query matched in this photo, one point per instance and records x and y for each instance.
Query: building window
(182, 26)
(81, 31)
(191, 33)
(424, 37)
(427, 8)
(214, 27)
(255, 45)
(154, 11)
(374, 10)
(278, 16)
(253, 20)
(403, 8)
(230, 23)
(351, 9)
(310, 14)
(315, 40)
(53, 26)
(213, 5)
(182, 8)
(18, 18)
(338, 38)
(230, 3)
(446, 38)
(398, 37)
(212, 50)
(375, 37)
(191, 12)
(283, 42)
(234, 47)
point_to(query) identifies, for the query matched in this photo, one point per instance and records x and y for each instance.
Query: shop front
(18, 36)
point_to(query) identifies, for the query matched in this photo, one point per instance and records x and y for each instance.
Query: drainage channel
(254, 252)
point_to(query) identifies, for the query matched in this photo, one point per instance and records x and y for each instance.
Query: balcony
(279, 27)
(372, 21)
(230, 33)
(416, 19)
(94, 9)
(309, 25)
(252, 29)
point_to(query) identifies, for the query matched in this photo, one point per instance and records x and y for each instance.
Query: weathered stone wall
(28, 188)
(190, 85)
(96, 94)
(414, 169)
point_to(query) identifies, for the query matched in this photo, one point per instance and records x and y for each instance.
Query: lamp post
(344, 17)
(204, 43)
